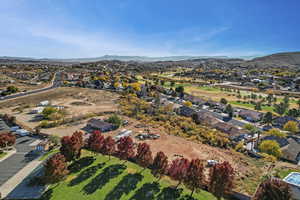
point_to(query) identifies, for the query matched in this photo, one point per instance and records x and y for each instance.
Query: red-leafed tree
(55, 169)
(109, 146)
(92, 137)
(274, 189)
(195, 175)
(221, 178)
(7, 139)
(178, 169)
(160, 165)
(71, 146)
(144, 155)
(96, 141)
(126, 148)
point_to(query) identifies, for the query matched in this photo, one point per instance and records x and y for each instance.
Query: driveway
(10, 166)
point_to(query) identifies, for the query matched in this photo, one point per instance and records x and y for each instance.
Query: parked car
(14, 128)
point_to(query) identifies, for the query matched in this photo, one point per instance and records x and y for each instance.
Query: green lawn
(282, 173)
(2, 154)
(208, 88)
(251, 106)
(48, 154)
(98, 178)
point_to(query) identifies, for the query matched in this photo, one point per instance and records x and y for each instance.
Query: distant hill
(113, 57)
(288, 59)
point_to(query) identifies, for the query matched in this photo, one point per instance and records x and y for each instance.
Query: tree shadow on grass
(86, 174)
(81, 163)
(187, 197)
(101, 179)
(147, 191)
(125, 186)
(169, 193)
(47, 195)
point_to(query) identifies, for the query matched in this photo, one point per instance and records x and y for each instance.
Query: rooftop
(293, 179)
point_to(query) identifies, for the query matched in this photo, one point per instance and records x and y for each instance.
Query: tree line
(219, 181)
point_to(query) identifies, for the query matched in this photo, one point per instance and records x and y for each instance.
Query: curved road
(55, 84)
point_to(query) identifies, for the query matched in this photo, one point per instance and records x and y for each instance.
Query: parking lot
(3, 126)
(10, 166)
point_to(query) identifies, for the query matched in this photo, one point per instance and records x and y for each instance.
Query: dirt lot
(248, 171)
(76, 101)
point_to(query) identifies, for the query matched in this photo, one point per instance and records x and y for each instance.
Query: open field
(76, 102)
(2, 154)
(101, 178)
(214, 93)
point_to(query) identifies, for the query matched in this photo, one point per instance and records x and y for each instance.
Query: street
(55, 83)
(10, 166)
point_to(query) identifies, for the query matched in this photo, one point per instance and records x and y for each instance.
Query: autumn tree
(270, 147)
(125, 148)
(221, 178)
(144, 155)
(188, 103)
(92, 137)
(6, 140)
(55, 169)
(71, 146)
(178, 169)
(109, 146)
(195, 175)
(274, 189)
(160, 165)
(276, 132)
(96, 141)
(291, 126)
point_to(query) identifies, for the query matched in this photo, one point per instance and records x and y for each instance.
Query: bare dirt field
(76, 101)
(249, 171)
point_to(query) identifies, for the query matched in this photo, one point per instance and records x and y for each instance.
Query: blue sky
(91, 28)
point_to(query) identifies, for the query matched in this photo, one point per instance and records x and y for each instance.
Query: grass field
(97, 177)
(251, 106)
(48, 154)
(282, 173)
(2, 154)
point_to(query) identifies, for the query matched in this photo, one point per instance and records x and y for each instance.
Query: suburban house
(229, 129)
(194, 100)
(205, 118)
(290, 147)
(291, 152)
(97, 124)
(279, 122)
(186, 111)
(250, 115)
(216, 105)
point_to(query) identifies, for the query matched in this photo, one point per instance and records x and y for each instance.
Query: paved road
(10, 166)
(56, 83)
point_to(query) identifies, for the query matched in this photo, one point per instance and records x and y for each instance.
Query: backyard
(97, 177)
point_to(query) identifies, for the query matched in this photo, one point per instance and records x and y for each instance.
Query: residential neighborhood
(149, 100)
